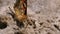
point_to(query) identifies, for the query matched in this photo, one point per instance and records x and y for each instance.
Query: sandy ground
(44, 16)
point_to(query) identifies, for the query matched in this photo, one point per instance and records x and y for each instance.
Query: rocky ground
(43, 17)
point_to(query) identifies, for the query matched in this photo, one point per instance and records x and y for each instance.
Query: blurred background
(43, 17)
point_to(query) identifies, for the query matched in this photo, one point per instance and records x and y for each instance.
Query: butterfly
(20, 8)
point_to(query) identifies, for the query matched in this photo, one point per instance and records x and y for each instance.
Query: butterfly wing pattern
(20, 14)
(20, 8)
